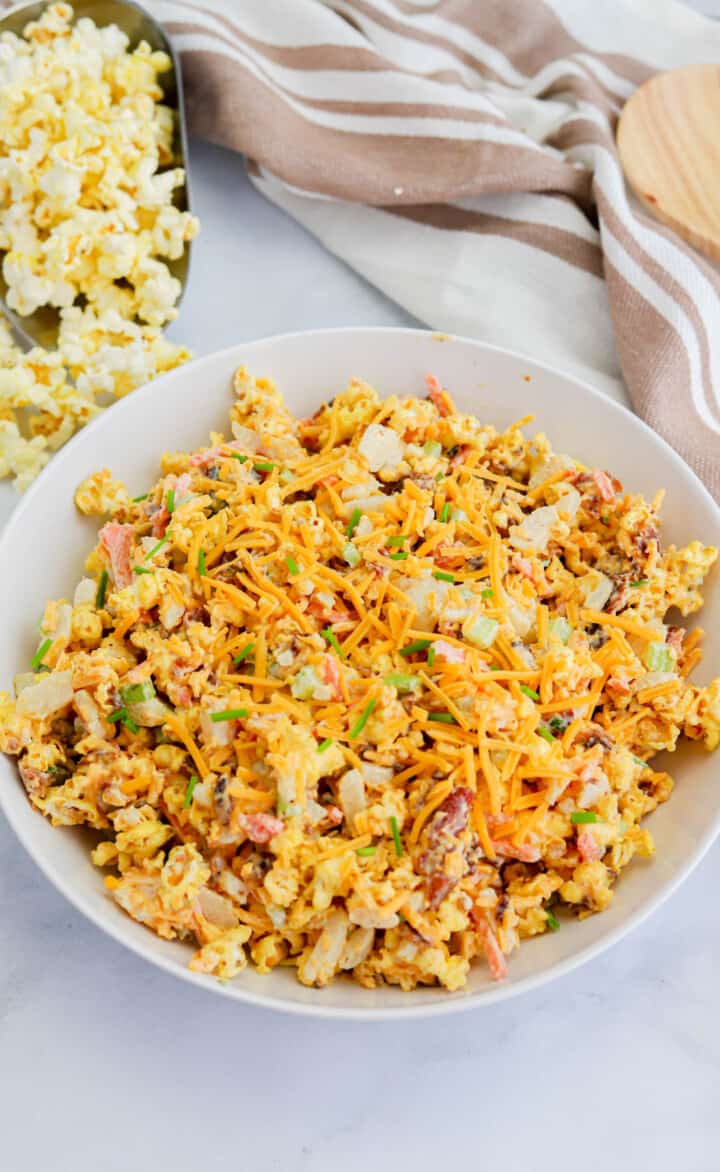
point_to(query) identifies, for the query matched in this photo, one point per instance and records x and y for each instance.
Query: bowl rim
(492, 994)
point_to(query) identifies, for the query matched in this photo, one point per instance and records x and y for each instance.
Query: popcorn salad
(373, 693)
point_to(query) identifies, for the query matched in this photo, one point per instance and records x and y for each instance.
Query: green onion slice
(580, 817)
(362, 720)
(396, 835)
(189, 791)
(229, 714)
(418, 645)
(102, 590)
(156, 548)
(329, 635)
(40, 654)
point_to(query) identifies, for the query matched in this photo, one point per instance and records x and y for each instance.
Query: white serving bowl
(44, 545)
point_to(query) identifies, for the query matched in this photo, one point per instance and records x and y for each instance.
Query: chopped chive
(639, 761)
(170, 503)
(553, 922)
(439, 476)
(40, 653)
(263, 466)
(431, 656)
(545, 732)
(324, 745)
(141, 570)
(331, 638)
(487, 593)
(529, 692)
(639, 582)
(189, 791)
(102, 590)
(445, 512)
(582, 816)
(354, 521)
(396, 834)
(399, 556)
(442, 717)
(366, 852)
(558, 724)
(605, 518)
(397, 540)
(143, 497)
(247, 649)
(118, 714)
(443, 577)
(362, 721)
(201, 566)
(156, 548)
(418, 645)
(292, 565)
(130, 724)
(494, 667)
(236, 456)
(229, 714)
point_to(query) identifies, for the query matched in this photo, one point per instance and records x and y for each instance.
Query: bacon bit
(449, 652)
(331, 675)
(524, 566)
(675, 640)
(588, 849)
(524, 853)
(35, 780)
(452, 816)
(334, 815)
(460, 456)
(334, 614)
(329, 481)
(437, 396)
(604, 485)
(117, 541)
(439, 887)
(160, 522)
(617, 686)
(491, 948)
(260, 828)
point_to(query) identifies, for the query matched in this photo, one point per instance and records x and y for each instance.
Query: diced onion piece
(351, 792)
(357, 948)
(217, 909)
(596, 598)
(49, 695)
(318, 967)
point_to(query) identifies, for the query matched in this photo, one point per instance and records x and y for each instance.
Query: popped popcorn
(46, 396)
(83, 202)
(87, 223)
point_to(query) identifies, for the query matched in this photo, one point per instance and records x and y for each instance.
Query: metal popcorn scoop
(41, 328)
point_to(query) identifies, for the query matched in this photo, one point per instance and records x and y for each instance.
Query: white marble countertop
(107, 1065)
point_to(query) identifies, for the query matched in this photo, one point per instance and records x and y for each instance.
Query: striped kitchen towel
(460, 154)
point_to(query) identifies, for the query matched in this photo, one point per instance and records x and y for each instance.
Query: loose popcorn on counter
(87, 223)
(46, 396)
